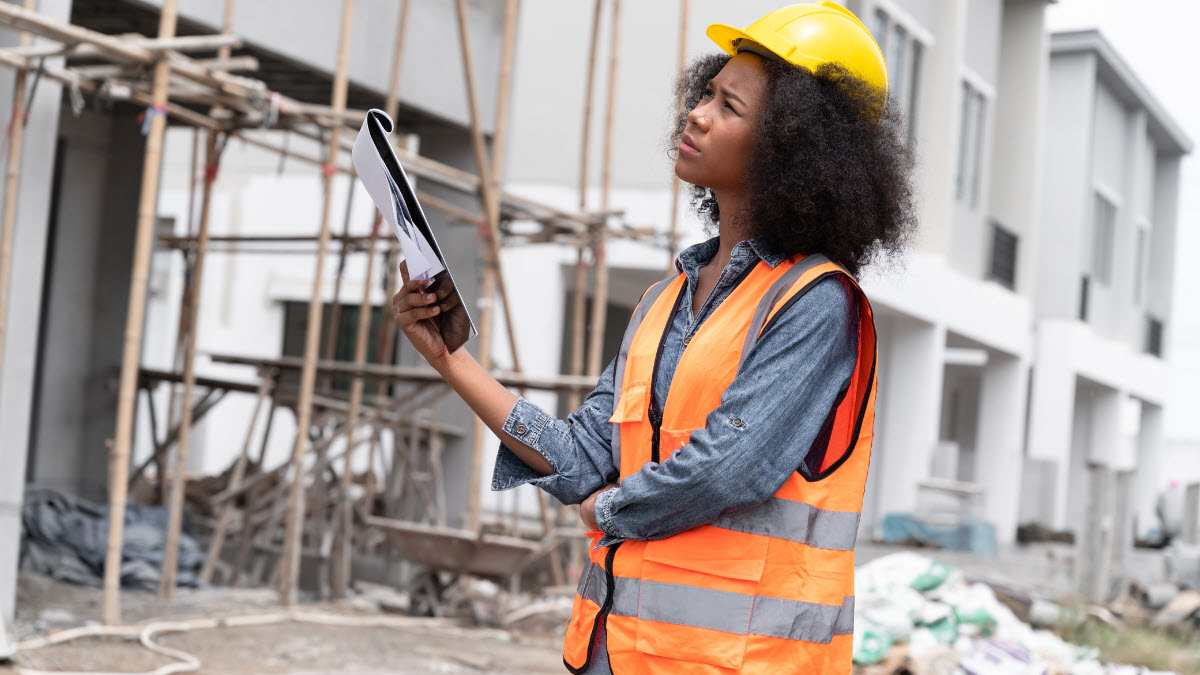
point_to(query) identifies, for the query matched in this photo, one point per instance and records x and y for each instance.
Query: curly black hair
(830, 171)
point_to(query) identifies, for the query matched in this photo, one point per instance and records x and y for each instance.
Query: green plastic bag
(872, 647)
(945, 630)
(932, 577)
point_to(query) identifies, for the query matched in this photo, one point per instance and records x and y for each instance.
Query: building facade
(1020, 341)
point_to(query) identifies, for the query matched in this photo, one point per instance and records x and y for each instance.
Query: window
(1003, 268)
(902, 52)
(970, 144)
(1104, 222)
(1154, 337)
(295, 326)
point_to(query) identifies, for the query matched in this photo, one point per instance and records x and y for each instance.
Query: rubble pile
(920, 616)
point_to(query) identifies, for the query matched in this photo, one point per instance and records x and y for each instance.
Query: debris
(66, 538)
(1031, 533)
(1185, 607)
(953, 625)
(1183, 564)
(1156, 596)
(997, 657)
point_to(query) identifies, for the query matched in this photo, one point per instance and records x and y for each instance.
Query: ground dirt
(419, 646)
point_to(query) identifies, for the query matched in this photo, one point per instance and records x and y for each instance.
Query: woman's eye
(730, 107)
(707, 94)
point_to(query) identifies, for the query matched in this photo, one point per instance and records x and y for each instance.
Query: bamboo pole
(342, 551)
(579, 298)
(335, 307)
(166, 586)
(672, 236)
(11, 183)
(600, 295)
(185, 298)
(293, 534)
(119, 455)
(493, 280)
(235, 479)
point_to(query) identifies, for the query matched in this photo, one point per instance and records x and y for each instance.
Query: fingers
(404, 270)
(411, 305)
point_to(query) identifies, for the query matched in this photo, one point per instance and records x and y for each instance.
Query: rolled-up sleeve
(578, 449)
(780, 402)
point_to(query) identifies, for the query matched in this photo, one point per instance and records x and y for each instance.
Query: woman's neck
(729, 205)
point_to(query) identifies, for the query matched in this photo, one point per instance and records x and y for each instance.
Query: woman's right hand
(414, 310)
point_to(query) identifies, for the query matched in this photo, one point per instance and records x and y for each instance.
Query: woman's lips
(686, 147)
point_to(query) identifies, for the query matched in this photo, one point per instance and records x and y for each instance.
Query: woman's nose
(697, 117)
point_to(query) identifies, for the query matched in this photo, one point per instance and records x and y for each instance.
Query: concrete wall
(1061, 251)
(1019, 131)
(24, 297)
(87, 292)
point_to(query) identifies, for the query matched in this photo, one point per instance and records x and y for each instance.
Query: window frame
(887, 18)
(975, 120)
(1101, 271)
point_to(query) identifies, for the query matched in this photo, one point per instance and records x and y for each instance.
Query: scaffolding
(206, 95)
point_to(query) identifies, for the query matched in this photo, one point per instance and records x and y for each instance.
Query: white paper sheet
(420, 257)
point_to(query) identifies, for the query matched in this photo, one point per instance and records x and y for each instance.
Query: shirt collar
(698, 255)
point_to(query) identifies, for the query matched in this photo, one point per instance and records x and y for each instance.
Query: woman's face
(719, 134)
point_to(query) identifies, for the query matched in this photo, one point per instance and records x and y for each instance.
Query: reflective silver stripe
(593, 591)
(793, 620)
(773, 295)
(796, 521)
(582, 589)
(727, 611)
(635, 321)
(696, 607)
(845, 620)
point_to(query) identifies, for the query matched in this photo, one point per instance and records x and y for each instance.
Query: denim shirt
(784, 395)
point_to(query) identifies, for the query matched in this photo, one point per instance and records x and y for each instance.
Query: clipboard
(382, 175)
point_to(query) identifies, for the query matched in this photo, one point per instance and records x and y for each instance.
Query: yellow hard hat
(809, 35)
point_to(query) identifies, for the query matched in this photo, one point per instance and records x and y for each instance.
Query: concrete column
(1149, 477)
(1052, 413)
(913, 365)
(1106, 429)
(998, 443)
(25, 291)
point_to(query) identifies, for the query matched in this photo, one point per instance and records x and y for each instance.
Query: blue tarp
(971, 535)
(66, 538)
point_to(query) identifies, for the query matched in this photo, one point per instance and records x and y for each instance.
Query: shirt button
(521, 429)
(737, 421)
(686, 339)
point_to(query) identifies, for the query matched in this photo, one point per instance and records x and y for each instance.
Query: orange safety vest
(767, 590)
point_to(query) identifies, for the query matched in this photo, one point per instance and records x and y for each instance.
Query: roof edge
(1126, 80)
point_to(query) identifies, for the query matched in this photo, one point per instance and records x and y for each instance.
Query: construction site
(223, 457)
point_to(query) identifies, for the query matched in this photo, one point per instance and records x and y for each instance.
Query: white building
(1028, 145)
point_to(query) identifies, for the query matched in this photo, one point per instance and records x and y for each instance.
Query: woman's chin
(685, 173)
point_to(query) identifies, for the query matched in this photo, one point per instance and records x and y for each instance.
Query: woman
(721, 460)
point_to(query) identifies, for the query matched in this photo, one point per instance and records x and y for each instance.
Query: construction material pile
(916, 615)
(66, 538)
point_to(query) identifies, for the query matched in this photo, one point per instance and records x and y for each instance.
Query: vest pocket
(671, 440)
(697, 595)
(632, 403)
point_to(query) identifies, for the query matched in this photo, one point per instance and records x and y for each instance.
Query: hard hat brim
(727, 36)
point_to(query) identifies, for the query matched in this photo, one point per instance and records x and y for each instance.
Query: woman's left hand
(587, 510)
